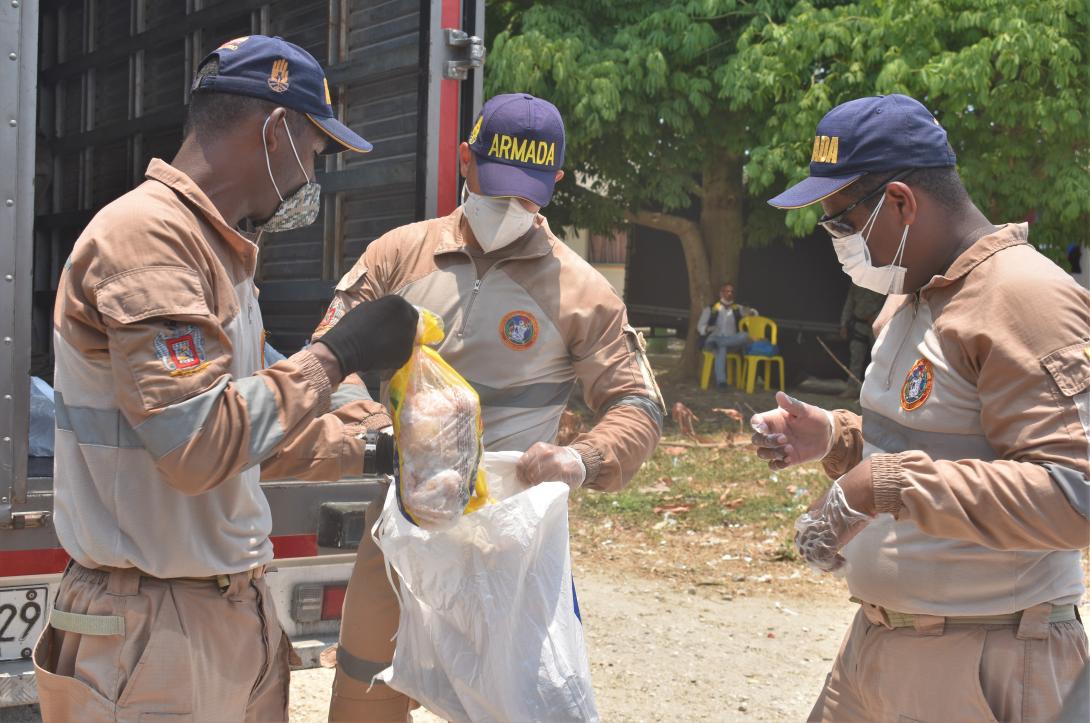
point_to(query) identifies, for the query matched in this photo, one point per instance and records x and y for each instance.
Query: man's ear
(463, 159)
(559, 176)
(275, 120)
(902, 198)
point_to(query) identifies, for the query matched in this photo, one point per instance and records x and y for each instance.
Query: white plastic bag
(488, 630)
(42, 418)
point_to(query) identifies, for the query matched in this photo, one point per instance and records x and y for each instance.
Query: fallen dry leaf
(729, 413)
(675, 451)
(672, 509)
(684, 419)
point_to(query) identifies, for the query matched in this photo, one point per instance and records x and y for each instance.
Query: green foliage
(1007, 80)
(635, 81)
(652, 90)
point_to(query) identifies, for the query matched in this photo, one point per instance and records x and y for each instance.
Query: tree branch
(663, 222)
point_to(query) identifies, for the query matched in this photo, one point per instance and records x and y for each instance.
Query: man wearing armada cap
(962, 494)
(526, 319)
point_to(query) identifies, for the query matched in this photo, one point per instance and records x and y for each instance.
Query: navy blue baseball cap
(868, 135)
(519, 144)
(283, 73)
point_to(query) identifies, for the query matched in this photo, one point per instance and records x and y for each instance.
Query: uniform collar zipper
(904, 338)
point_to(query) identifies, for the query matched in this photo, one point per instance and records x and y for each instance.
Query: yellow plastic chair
(734, 369)
(760, 327)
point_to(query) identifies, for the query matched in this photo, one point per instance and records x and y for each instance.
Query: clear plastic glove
(550, 463)
(824, 529)
(793, 433)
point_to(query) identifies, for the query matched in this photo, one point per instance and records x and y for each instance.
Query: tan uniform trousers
(366, 645)
(949, 673)
(179, 650)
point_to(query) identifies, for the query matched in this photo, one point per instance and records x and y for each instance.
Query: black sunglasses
(837, 227)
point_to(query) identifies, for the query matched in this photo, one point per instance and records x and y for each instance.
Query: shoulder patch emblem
(181, 350)
(332, 315)
(917, 386)
(519, 330)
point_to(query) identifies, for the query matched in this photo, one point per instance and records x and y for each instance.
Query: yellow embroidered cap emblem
(826, 149)
(476, 130)
(233, 44)
(278, 78)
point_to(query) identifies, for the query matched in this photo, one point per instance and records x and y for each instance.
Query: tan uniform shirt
(164, 413)
(523, 332)
(975, 418)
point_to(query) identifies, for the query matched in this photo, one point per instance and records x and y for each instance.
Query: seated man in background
(718, 327)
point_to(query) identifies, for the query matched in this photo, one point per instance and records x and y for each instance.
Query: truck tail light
(315, 601)
(333, 600)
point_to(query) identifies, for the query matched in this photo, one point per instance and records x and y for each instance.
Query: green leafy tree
(685, 115)
(650, 138)
(1008, 81)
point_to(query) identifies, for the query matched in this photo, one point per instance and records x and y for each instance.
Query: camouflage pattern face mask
(301, 207)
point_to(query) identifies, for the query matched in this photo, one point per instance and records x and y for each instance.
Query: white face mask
(496, 222)
(854, 257)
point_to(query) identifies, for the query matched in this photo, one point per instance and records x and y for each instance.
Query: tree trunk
(721, 220)
(696, 261)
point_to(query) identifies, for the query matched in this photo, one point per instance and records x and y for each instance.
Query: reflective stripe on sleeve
(266, 432)
(175, 425)
(95, 427)
(1074, 484)
(648, 406)
(348, 393)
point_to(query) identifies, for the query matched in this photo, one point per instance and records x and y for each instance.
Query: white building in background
(607, 254)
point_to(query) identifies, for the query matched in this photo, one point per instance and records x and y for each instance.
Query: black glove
(378, 454)
(374, 335)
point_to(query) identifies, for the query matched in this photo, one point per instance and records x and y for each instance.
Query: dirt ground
(663, 653)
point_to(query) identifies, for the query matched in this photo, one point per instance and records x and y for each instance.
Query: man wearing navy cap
(166, 418)
(526, 320)
(961, 495)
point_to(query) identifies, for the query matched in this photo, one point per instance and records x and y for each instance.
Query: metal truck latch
(469, 47)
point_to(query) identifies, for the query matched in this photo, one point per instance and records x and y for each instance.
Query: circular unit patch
(917, 386)
(519, 330)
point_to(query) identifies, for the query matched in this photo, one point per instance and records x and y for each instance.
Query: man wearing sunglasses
(961, 495)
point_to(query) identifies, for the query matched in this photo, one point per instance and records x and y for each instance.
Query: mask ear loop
(268, 165)
(897, 258)
(865, 232)
(297, 159)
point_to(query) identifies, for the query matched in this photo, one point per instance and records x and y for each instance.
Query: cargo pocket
(1070, 370)
(160, 686)
(924, 678)
(63, 697)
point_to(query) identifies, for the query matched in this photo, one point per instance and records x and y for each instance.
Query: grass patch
(703, 489)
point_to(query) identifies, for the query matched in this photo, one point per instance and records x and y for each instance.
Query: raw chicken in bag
(437, 425)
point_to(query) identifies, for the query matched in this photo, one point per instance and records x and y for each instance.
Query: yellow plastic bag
(438, 428)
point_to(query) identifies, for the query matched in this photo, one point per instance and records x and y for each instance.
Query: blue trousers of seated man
(723, 344)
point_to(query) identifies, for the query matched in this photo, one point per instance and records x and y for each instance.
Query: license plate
(23, 614)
